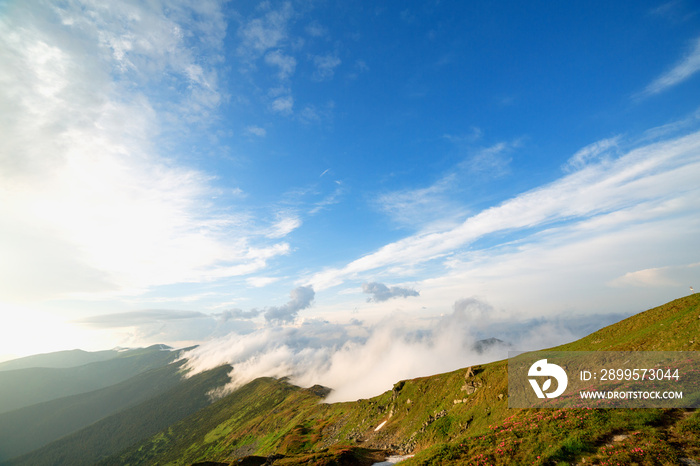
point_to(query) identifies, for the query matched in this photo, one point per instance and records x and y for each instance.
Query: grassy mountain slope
(115, 433)
(265, 406)
(459, 417)
(31, 427)
(59, 359)
(25, 387)
(675, 326)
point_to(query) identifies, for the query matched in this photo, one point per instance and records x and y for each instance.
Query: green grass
(561, 437)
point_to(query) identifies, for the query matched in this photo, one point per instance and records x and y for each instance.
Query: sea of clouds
(360, 360)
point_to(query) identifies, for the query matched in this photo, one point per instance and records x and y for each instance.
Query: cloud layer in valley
(359, 360)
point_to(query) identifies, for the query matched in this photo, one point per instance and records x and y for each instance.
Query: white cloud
(283, 105)
(592, 153)
(153, 41)
(363, 360)
(285, 63)
(260, 281)
(325, 66)
(309, 114)
(328, 200)
(285, 224)
(653, 173)
(265, 32)
(418, 207)
(683, 70)
(492, 161)
(576, 267)
(316, 113)
(256, 130)
(96, 208)
(673, 128)
(266, 35)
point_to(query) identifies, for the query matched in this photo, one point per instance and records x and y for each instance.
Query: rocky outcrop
(432, 419)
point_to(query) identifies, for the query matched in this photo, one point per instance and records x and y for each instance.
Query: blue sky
(194, 171)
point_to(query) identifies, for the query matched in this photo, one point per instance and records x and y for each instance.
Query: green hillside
(127, 427)
(31, 427)
(672, 327)
(459, 417)
(26, 387)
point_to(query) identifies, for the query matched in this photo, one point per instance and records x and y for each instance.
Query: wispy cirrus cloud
(611, 193)
(285, 224)
(418, 207)
(492, 161)
(683, 70)
(593, 153)
(330, 199)
(675, 11)
(439, 203)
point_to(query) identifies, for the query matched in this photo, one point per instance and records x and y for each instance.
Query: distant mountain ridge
(59, 359)
(129, 426)
(28, 386)
(31, 427)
